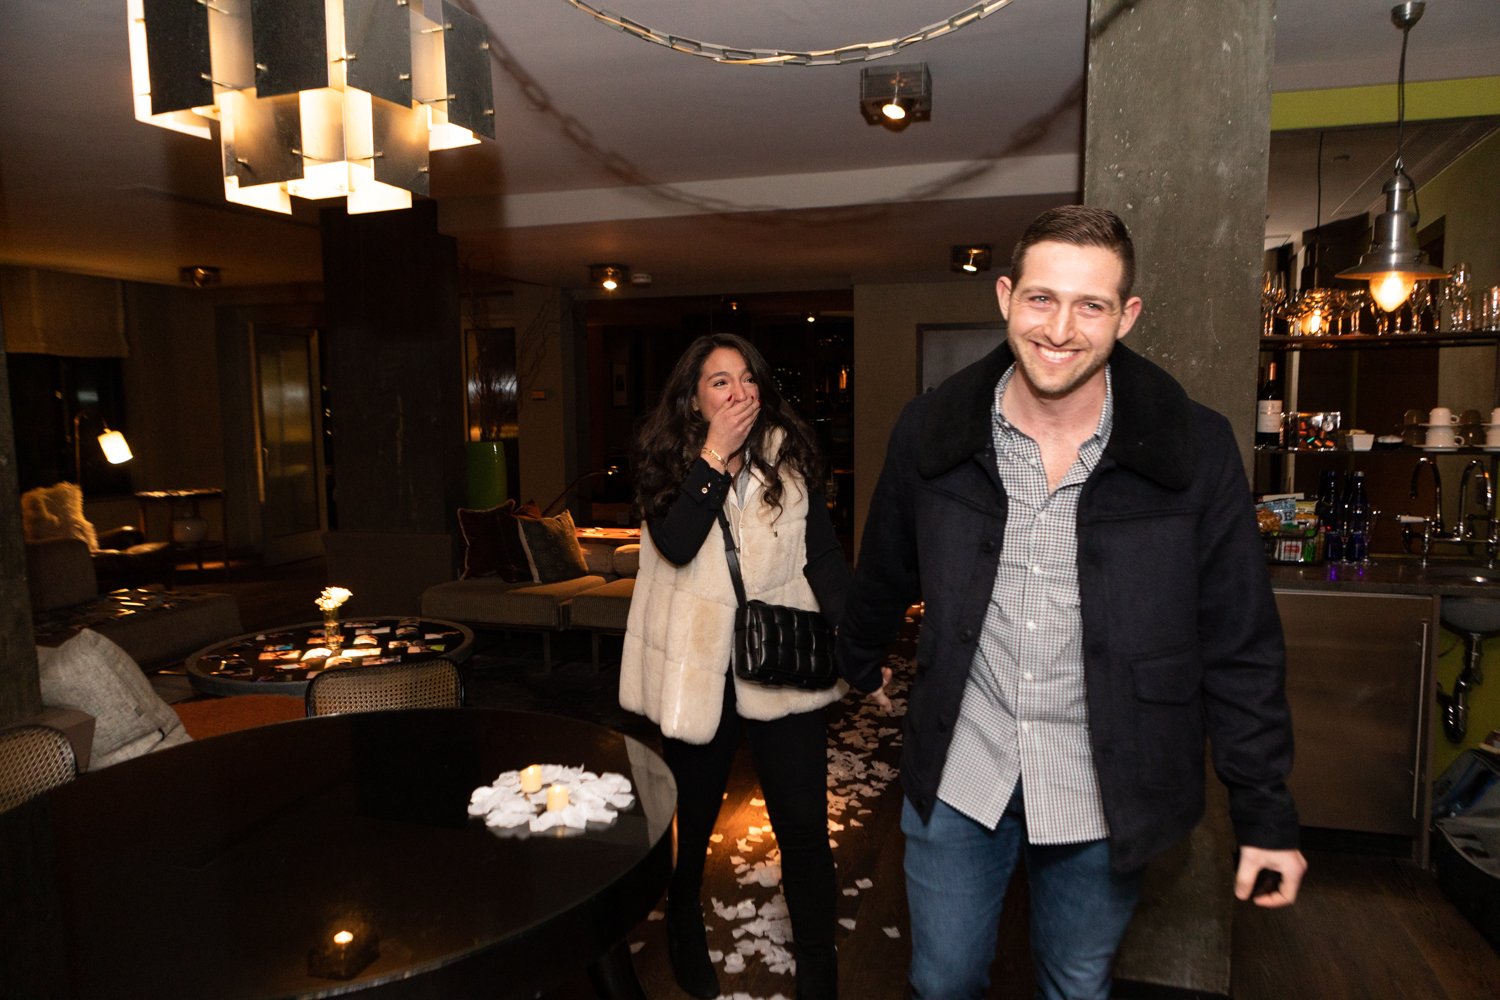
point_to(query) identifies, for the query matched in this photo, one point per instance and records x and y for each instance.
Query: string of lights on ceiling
(745, 56)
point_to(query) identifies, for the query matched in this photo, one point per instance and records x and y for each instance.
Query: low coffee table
(276, 661)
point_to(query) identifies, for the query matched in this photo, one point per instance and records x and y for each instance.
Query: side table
(186, 526)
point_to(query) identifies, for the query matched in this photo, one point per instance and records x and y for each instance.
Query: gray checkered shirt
(1024, 714)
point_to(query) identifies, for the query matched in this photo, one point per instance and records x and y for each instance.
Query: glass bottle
(1268, 411)
(1329, 519)
(1357, 520)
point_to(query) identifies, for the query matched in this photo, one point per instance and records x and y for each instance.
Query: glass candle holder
(333, 635)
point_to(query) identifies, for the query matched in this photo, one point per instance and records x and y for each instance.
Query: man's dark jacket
(1180, 631)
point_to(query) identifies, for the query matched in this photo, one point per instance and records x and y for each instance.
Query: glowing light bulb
(1391, 289)
(893, 110)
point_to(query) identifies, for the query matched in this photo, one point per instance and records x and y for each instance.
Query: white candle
(531, 779)
(557, 798)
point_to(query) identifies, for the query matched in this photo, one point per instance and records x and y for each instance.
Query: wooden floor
(1366, 926)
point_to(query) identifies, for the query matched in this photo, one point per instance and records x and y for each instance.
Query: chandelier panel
(314, 98)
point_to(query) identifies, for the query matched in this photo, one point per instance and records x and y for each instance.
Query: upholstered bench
(605, 610)
(495, 603)
(523, 571)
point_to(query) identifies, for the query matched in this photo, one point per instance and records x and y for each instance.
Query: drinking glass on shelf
(1457, 305)
(1272, 295)
(1355, 302)
(1489, 309)
(1420, 307)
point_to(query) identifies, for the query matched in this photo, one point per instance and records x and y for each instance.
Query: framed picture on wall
(945, 348)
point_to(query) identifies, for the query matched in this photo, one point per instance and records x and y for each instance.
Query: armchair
(121, 555)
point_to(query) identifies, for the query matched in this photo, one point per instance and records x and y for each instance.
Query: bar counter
(1393, 574)
(1361, 646)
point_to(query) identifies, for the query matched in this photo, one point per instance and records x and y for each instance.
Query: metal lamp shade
(1393, 264)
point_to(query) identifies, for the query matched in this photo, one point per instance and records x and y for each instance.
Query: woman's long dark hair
(672, 436)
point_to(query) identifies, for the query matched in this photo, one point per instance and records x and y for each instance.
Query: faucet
(1437, 491)
(1487, 509)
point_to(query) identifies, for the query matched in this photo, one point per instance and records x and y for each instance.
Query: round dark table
(214, 868)
(235, 666)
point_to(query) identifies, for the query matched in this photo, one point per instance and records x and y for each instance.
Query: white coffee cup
(1442, 415)
(1492, 437)
(1441, 435)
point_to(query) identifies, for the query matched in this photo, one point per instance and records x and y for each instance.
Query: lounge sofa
(598, 601)
(155, 626)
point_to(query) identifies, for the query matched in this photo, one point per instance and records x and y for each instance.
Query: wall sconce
(970, 259)
(318, 100)
(896, 96)
(1393, 265)
(609, 276)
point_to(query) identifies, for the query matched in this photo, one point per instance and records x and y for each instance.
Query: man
(1096, 602)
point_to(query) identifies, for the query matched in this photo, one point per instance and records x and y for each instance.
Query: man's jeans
(956, 874)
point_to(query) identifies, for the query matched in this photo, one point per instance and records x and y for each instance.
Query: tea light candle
(557, 798)
(531, 779)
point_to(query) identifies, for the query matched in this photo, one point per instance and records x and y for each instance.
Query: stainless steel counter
(1393, 574)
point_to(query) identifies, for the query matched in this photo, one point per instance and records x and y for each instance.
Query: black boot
(817, 977)
(687, 947)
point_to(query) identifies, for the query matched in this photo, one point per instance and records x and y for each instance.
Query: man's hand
(882, 700)
(1289, 865)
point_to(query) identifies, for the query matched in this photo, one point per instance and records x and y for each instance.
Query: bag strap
(733, 556)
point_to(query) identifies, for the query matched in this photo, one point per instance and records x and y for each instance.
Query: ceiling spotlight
(609, 276)
(970, 258)
(896, 96)
(198, 275)
(812, 317)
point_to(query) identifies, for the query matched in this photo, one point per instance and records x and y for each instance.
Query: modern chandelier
(314, 98)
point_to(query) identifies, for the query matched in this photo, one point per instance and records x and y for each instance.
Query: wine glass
(1272, 295)
(1356, 301)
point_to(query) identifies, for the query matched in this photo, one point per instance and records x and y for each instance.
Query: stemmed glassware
(1353, 306)
(1272, 296)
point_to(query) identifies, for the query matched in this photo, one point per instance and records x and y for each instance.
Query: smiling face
(723, 379)
(1064, 314)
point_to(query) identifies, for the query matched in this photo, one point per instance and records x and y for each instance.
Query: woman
(722, 438)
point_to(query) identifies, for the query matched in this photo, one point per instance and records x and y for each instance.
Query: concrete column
(1177, 139)
(20, 694)
(1178, 132)
(395, 374)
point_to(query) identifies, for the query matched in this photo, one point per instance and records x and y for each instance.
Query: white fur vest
(681, 626)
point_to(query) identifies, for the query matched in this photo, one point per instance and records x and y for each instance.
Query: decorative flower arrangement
(332, 598)
(589, 798)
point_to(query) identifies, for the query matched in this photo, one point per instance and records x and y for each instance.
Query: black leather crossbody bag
(775, 645)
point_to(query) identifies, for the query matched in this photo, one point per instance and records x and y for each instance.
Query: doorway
(289, 431)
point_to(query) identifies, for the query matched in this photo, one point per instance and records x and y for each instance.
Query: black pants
(791, 760)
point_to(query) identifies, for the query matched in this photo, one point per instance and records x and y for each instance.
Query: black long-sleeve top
(679, 534)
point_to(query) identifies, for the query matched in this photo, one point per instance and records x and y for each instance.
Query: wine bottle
(1268, 411)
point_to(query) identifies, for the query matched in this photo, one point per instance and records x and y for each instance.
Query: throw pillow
(56, 511)
(514, 566)
(552, 549)
(484, 555)
(92, 674)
